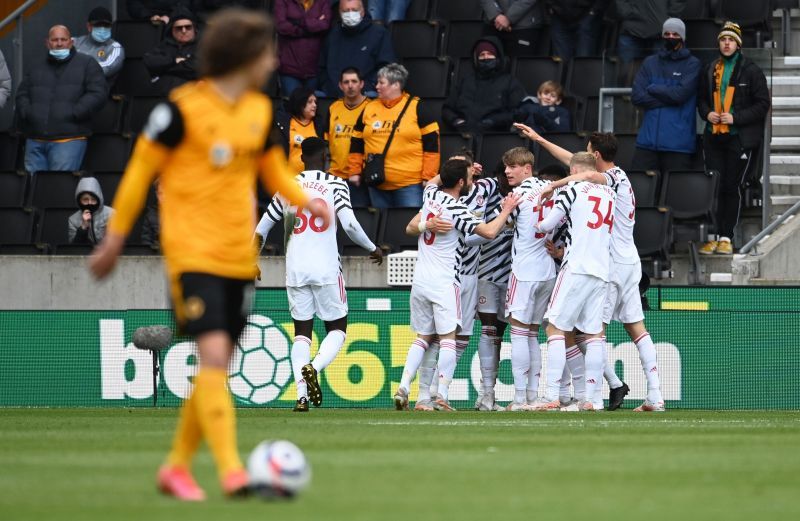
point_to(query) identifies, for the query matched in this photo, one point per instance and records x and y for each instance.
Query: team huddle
(518, 250)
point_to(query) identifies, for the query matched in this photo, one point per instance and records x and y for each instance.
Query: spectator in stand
(157, 11)
(413, 156)
(734, 99)
(337, 129)
(517, 23)
(5, 81)
(55, 103)
(209, 6)
(88, 224)
(172, 62)
(296, 123)
(301, 25)
(151, 225)
(544, 113)
(575, 27)
(666, 88)
(488, 95)
(388, 11)
(642, 20)
(99, 45)
(353, 42)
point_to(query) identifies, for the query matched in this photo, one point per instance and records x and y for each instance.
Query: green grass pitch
(99, 464)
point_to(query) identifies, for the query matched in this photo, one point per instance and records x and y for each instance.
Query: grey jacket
(95, 233)
(644, 18)
(5, 81)
(110, 55)
(523, 14)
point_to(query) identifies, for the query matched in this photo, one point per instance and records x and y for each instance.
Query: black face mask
(91, 207)
(671, 44)
(486, 66)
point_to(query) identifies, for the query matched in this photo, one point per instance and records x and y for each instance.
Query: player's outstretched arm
(556, 151)
(590, 176)
(552, 220)
(353, 229)
(489, 230)
(416, 226)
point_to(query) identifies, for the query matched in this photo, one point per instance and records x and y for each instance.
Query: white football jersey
(529, 258)
(589, 209)
(438, 260)
(623, 249)
(494, 264)
(476, 201)
(312, 254)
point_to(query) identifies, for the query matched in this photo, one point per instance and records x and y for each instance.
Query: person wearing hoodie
(641, 21)
(302, 25)
(353, 42)
(88, 225)
(172, 62)
(486, 98)
(98, 44)
(55, 103)
(666, 88)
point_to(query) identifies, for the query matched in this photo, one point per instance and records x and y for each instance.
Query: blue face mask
(59, 54)
(101, 34)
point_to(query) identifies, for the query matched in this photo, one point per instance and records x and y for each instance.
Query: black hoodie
(160, 61)
(485, 100)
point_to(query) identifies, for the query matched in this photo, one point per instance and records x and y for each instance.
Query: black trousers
(724, 153)
(663, 162)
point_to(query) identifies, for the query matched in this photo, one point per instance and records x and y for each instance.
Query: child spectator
(88, 225)
(544, 113)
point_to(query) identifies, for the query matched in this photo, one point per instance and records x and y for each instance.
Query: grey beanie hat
(675, 25)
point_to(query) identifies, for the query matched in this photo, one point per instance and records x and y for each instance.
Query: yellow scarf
(721, 106)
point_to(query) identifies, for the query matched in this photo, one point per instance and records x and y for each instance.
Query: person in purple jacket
(302, 25)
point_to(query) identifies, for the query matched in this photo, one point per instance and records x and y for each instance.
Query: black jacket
(160, 61)
(486, 101)
(751, 99)
(645, 18)
(144, 9)
(57, 98)
(573, 10)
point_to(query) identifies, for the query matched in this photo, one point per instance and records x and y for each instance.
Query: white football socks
(594, 367)
(433, 387)
(556, 363)
(328, 349)
(427, 371)
(535, 372)
(520, 362)
(301, 355)
(608, 370)
(413, 361)
(576, 367)
(487, 353)
(447, 365)
(649, 359)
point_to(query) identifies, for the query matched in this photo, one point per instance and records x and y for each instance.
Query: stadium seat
(109, 181)
(463, 66)
(370, 220)
(138, 112)
(54, 189)
(626, 148)
(323, 104)
(627, 116)
(451, 144)
(428, 77)
(568, 141)
(107, 152)
(274, 244)
(418, 10)
(417, 39)
(703, 33)
(461, 38)
(134, 80)
(532, 72)
(9, 151)
(691, 195)
(434, 107)
(588, 114)
(13, 186)
(493, 146)
(137, 38)
(696, 9)
(645, 186)
(18, 225)
(108, 120)
(585, 76)
(458, 10)
(393, 230)
(54, 231)
(652, 234)
(747, 13)
(627, 73)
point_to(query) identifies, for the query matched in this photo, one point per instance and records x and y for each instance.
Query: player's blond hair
(518, 156)
(582, 161)
(234, 38)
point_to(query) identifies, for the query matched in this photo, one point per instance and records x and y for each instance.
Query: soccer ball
(261, 367)
(278, 469)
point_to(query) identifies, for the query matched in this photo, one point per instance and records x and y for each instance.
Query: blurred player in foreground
(208, 144)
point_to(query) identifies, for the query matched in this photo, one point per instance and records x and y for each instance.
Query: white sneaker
(487, 402)
(478, 401)
(517, 407)
(572, 407)
(401, 399)
(566, 402)
(497, 407)
(544, 405)
(648, 406)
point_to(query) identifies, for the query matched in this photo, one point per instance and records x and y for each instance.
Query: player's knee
(338, 324)
(636, 329)
(303, 328)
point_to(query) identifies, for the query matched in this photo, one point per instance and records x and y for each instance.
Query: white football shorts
(435, 309)
(526, 300)
(577, 302)
(327, 301)
(492, 298)
(469, 303)
(623, 301)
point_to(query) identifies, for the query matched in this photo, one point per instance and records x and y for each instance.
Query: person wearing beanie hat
(666, 88)
(487, 96)
(99, 44)
(172, 62)
(734, 101)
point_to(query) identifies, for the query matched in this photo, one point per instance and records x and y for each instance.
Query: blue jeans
(47, 155)
(388, 10)
(631, 47)
(289, 83)
(575, 37)
(406, 197)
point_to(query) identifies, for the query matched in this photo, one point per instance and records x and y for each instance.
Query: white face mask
(351, 18)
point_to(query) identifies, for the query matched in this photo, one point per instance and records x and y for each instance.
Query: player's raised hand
(104, 257)
(527, 131)
(318, 208)
(439, 225)
(546, 194)
(377, 256)
(510, 202)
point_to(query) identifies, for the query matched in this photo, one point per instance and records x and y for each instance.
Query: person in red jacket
(302, 25)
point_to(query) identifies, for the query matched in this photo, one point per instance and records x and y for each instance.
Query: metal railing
(16, 16)
(769, 229)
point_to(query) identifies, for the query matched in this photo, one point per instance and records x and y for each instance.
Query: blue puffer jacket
(666, 87)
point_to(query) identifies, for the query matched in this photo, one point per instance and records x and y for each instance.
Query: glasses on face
(183, 28)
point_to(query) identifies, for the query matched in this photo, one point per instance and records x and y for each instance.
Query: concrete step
(784, 164)
(784, 143)
(785, 126)
(784, 85)
(785, 102)
(784, 185)
(781, 203)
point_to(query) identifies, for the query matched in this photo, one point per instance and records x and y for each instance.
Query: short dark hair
(234, 37)
(454, 170)
(605, 143)
(466, 153)
(313, 146)
(351, 70)
(298, 99)
(554, 171)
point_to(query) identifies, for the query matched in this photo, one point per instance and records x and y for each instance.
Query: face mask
(487, 65)
(671, 43)
(351, 18)
(91, 207)
(101, 34)
(59, 54)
